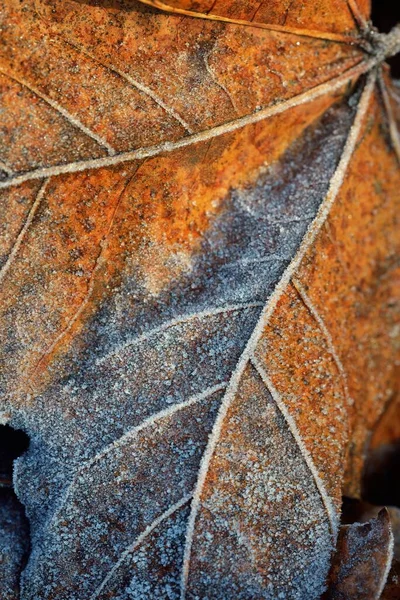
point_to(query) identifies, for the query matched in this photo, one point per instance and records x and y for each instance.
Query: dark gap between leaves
(14, 524)
(13, 443)
(381, 479)
(380, 484)
(385, 15)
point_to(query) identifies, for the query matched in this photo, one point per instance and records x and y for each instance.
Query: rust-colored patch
(152, 214)
(323, 15)
(355, 292)
(298, 360)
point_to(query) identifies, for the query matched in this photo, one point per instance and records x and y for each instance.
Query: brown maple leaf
(362, 562)
(200, 287)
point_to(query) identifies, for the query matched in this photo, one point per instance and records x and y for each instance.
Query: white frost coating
(139, 540)
(21, 235)
(331, 347)
(67, 115)
(139, 86)
(314, 228)
(140, 153)
(176, 322)
(131, 434)
(330, 509)
(256, 261)
(394, 132)
(385, 574)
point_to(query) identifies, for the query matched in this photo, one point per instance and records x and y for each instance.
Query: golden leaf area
(200, 283)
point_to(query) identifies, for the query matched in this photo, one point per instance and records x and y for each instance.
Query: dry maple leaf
(199, 288)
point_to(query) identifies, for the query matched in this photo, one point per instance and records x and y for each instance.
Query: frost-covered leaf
(199, 291)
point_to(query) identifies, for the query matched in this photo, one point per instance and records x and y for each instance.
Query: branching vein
(139, 541)
(270, 111)
(182, 320)
(313, 230)
(330, 509)
(6, 168)
(335, 37)
(72, 119)
(92, 278)
(219, 84)
(331, 346)
(129, 437)
(136, 84)
(357, 15)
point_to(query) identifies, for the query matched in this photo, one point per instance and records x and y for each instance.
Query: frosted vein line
(253, 261)
(308, 96)
(220, 84)
(176, 322)
(22, 233)
(321, 323)
(292, 220)
(136, 84)
(329, 507)
(162, 414)
(130, 435)
(312, 231)
(65, 113)
(139, 540)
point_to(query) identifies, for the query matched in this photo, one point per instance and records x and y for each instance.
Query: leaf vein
(183, 319)
(136, 84)
(6, 168)
(92, 279)
(326, 500)
(330, 37)
(323, 212)
(219, 84)
(312, 94)
(62, 111)
(130, 435)
(357, 15)
(139, 541)
(329, 340)
(22, 233)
